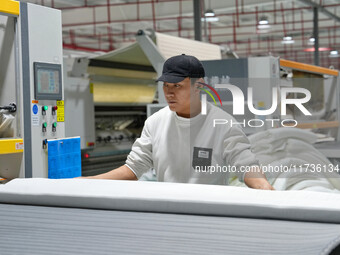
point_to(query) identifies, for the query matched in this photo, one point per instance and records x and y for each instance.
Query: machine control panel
(47, 81)
(39, 81)
(47, 94)
(45, 114)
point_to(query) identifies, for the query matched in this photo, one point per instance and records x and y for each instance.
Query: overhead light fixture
(311, 40)
(263, 25)
(210, 19)
(334, 54)
(209, 13)
(210, 16)
(263, 21)
(287, 40)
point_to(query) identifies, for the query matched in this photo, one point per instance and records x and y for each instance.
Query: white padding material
(174, 198)
(171, 46)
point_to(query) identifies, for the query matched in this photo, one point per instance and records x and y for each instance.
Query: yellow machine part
(123, 93)
(92, 70)
(10, 7)
(10, 146)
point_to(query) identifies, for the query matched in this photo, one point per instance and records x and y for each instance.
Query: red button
(55, 108)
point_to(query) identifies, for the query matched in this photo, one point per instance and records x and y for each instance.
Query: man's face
(179, 95)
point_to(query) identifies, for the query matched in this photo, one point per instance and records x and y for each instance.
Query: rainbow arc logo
(208, 92)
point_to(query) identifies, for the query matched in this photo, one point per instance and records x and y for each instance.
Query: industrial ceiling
(105, 25)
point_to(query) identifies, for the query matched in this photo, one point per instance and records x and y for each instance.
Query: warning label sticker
(61, 111)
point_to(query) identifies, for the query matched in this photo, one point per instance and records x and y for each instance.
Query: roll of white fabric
(174, 198)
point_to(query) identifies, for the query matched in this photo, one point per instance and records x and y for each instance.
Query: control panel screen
(47, 81)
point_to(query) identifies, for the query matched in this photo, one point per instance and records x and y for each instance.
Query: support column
(197, 20)
(316, 36)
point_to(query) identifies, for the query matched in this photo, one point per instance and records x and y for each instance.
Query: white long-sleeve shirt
(184, 149)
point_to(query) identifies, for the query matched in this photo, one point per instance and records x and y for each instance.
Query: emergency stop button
(54, 108)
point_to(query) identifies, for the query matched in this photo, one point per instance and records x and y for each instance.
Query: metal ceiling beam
(322, 9)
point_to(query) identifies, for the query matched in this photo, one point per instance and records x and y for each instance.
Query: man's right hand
(120, 173)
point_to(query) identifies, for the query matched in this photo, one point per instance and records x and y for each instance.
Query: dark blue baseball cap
(177, 68)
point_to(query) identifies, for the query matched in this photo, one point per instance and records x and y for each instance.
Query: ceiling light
(263, 21)
(287, 40)
(263, 26)
(210, 19)
(210, 16)
(209, 13)
(334, 54)
(311, 40)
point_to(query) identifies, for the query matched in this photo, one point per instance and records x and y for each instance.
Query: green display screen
(48, 81)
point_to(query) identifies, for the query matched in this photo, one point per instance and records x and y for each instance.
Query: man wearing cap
(182, 145)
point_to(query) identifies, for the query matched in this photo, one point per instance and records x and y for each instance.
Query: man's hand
(258, 183)
(255, 179)
(120, 173)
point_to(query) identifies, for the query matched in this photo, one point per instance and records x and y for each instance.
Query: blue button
(35, 109)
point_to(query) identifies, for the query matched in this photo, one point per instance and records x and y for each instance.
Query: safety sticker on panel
(35, 115)
(61, 111)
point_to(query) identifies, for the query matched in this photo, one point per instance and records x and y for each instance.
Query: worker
(182, 145)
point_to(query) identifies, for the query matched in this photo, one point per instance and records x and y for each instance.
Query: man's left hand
(255, 179)
(258, 183)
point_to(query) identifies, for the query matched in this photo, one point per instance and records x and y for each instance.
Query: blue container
(64, 159)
